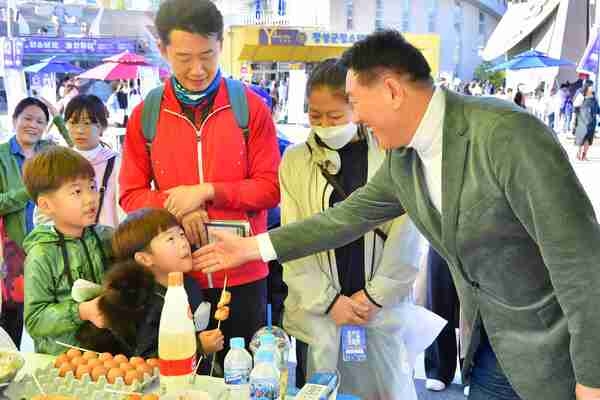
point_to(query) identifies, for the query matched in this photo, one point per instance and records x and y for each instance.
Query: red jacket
(244, 175)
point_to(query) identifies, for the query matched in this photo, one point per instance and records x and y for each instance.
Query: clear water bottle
(275, 336)
(267, 343)
(238, 365)
(264, 379)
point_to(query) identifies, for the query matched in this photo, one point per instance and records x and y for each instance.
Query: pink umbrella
(164, 73)
(121, 66)
(127, 58)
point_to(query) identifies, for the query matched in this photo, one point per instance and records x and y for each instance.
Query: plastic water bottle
(238, 365)
(176, 338)
(264, 379)
(267, 343)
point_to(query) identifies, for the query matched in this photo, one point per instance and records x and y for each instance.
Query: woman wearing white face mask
(363, 284)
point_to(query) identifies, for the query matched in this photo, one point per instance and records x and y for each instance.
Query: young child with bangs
(62, 184)
(151, 240)
(86, 119)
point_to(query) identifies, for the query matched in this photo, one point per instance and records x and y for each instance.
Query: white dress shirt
(427, 142)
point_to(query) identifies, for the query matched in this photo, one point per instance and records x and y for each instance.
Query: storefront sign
(281, 37)
(13, 53)
(102, 46)
(334, 38)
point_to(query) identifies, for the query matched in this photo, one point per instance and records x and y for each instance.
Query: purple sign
(589, 61)
(100, 46)
(281, 37)
(13, 53)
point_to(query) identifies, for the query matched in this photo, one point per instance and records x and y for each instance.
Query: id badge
(354, 343)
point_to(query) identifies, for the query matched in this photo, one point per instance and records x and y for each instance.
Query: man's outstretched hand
(586, 393)
(229, 251)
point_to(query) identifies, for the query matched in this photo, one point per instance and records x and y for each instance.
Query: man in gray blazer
(494, 193)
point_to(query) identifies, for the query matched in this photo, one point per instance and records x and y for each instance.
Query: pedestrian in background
(586, 122)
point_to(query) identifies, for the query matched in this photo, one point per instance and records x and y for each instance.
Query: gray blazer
(518, 232)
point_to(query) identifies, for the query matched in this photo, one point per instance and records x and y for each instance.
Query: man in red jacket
(202, 165)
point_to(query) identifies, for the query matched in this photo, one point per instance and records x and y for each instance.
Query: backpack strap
(150, 113)
(65, 255)
(239, 105)
(110, 164)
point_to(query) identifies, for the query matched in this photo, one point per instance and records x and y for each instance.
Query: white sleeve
(578, 100)
(265, 246)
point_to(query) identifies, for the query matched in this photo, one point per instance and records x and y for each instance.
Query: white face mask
(336, 137)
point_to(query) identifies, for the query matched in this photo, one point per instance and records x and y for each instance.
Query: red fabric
(246, 185)
(12, 284)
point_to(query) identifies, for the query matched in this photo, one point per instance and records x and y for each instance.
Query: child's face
(170, 251)
(85, 133)
(73, 206)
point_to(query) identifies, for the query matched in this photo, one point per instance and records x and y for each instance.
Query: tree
(483, 73)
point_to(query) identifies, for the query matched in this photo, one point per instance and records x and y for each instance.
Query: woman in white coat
(337, 158)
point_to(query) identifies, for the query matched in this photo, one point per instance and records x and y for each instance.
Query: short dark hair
(91, 105)
(387, 49)
(330, 73)
(194, 16)
(31, 101)
(50, 169)
(139, 228)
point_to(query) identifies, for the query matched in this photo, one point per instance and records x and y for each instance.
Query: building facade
(463, 25)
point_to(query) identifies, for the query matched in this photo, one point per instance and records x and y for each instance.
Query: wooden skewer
(74, 347)
(123, 392)
(212, 365)
(221, 297)
(196, 369)
(37, 383)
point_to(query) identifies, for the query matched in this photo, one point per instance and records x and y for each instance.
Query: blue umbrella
(531, 59)
(53, 65)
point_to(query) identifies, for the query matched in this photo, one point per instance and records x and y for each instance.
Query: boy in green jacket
(62, 183)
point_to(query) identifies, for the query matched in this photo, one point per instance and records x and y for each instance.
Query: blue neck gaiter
(190, 98)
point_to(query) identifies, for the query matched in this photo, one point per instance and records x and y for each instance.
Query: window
(405, 24)
(432, 15)
(378, 15)
(458, 12)
(458, 22)
(349, 15)
(481, 23)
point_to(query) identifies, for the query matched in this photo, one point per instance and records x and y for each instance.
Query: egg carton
(68, 385)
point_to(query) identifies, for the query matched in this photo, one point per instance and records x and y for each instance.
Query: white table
(215, 387)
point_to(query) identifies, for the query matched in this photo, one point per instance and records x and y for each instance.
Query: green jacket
(50, 312)
(13, 195)
(517, 229)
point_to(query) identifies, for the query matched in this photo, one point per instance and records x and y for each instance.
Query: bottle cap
(175, 279)
(267, 338)
(237, 343)
(264, 356)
